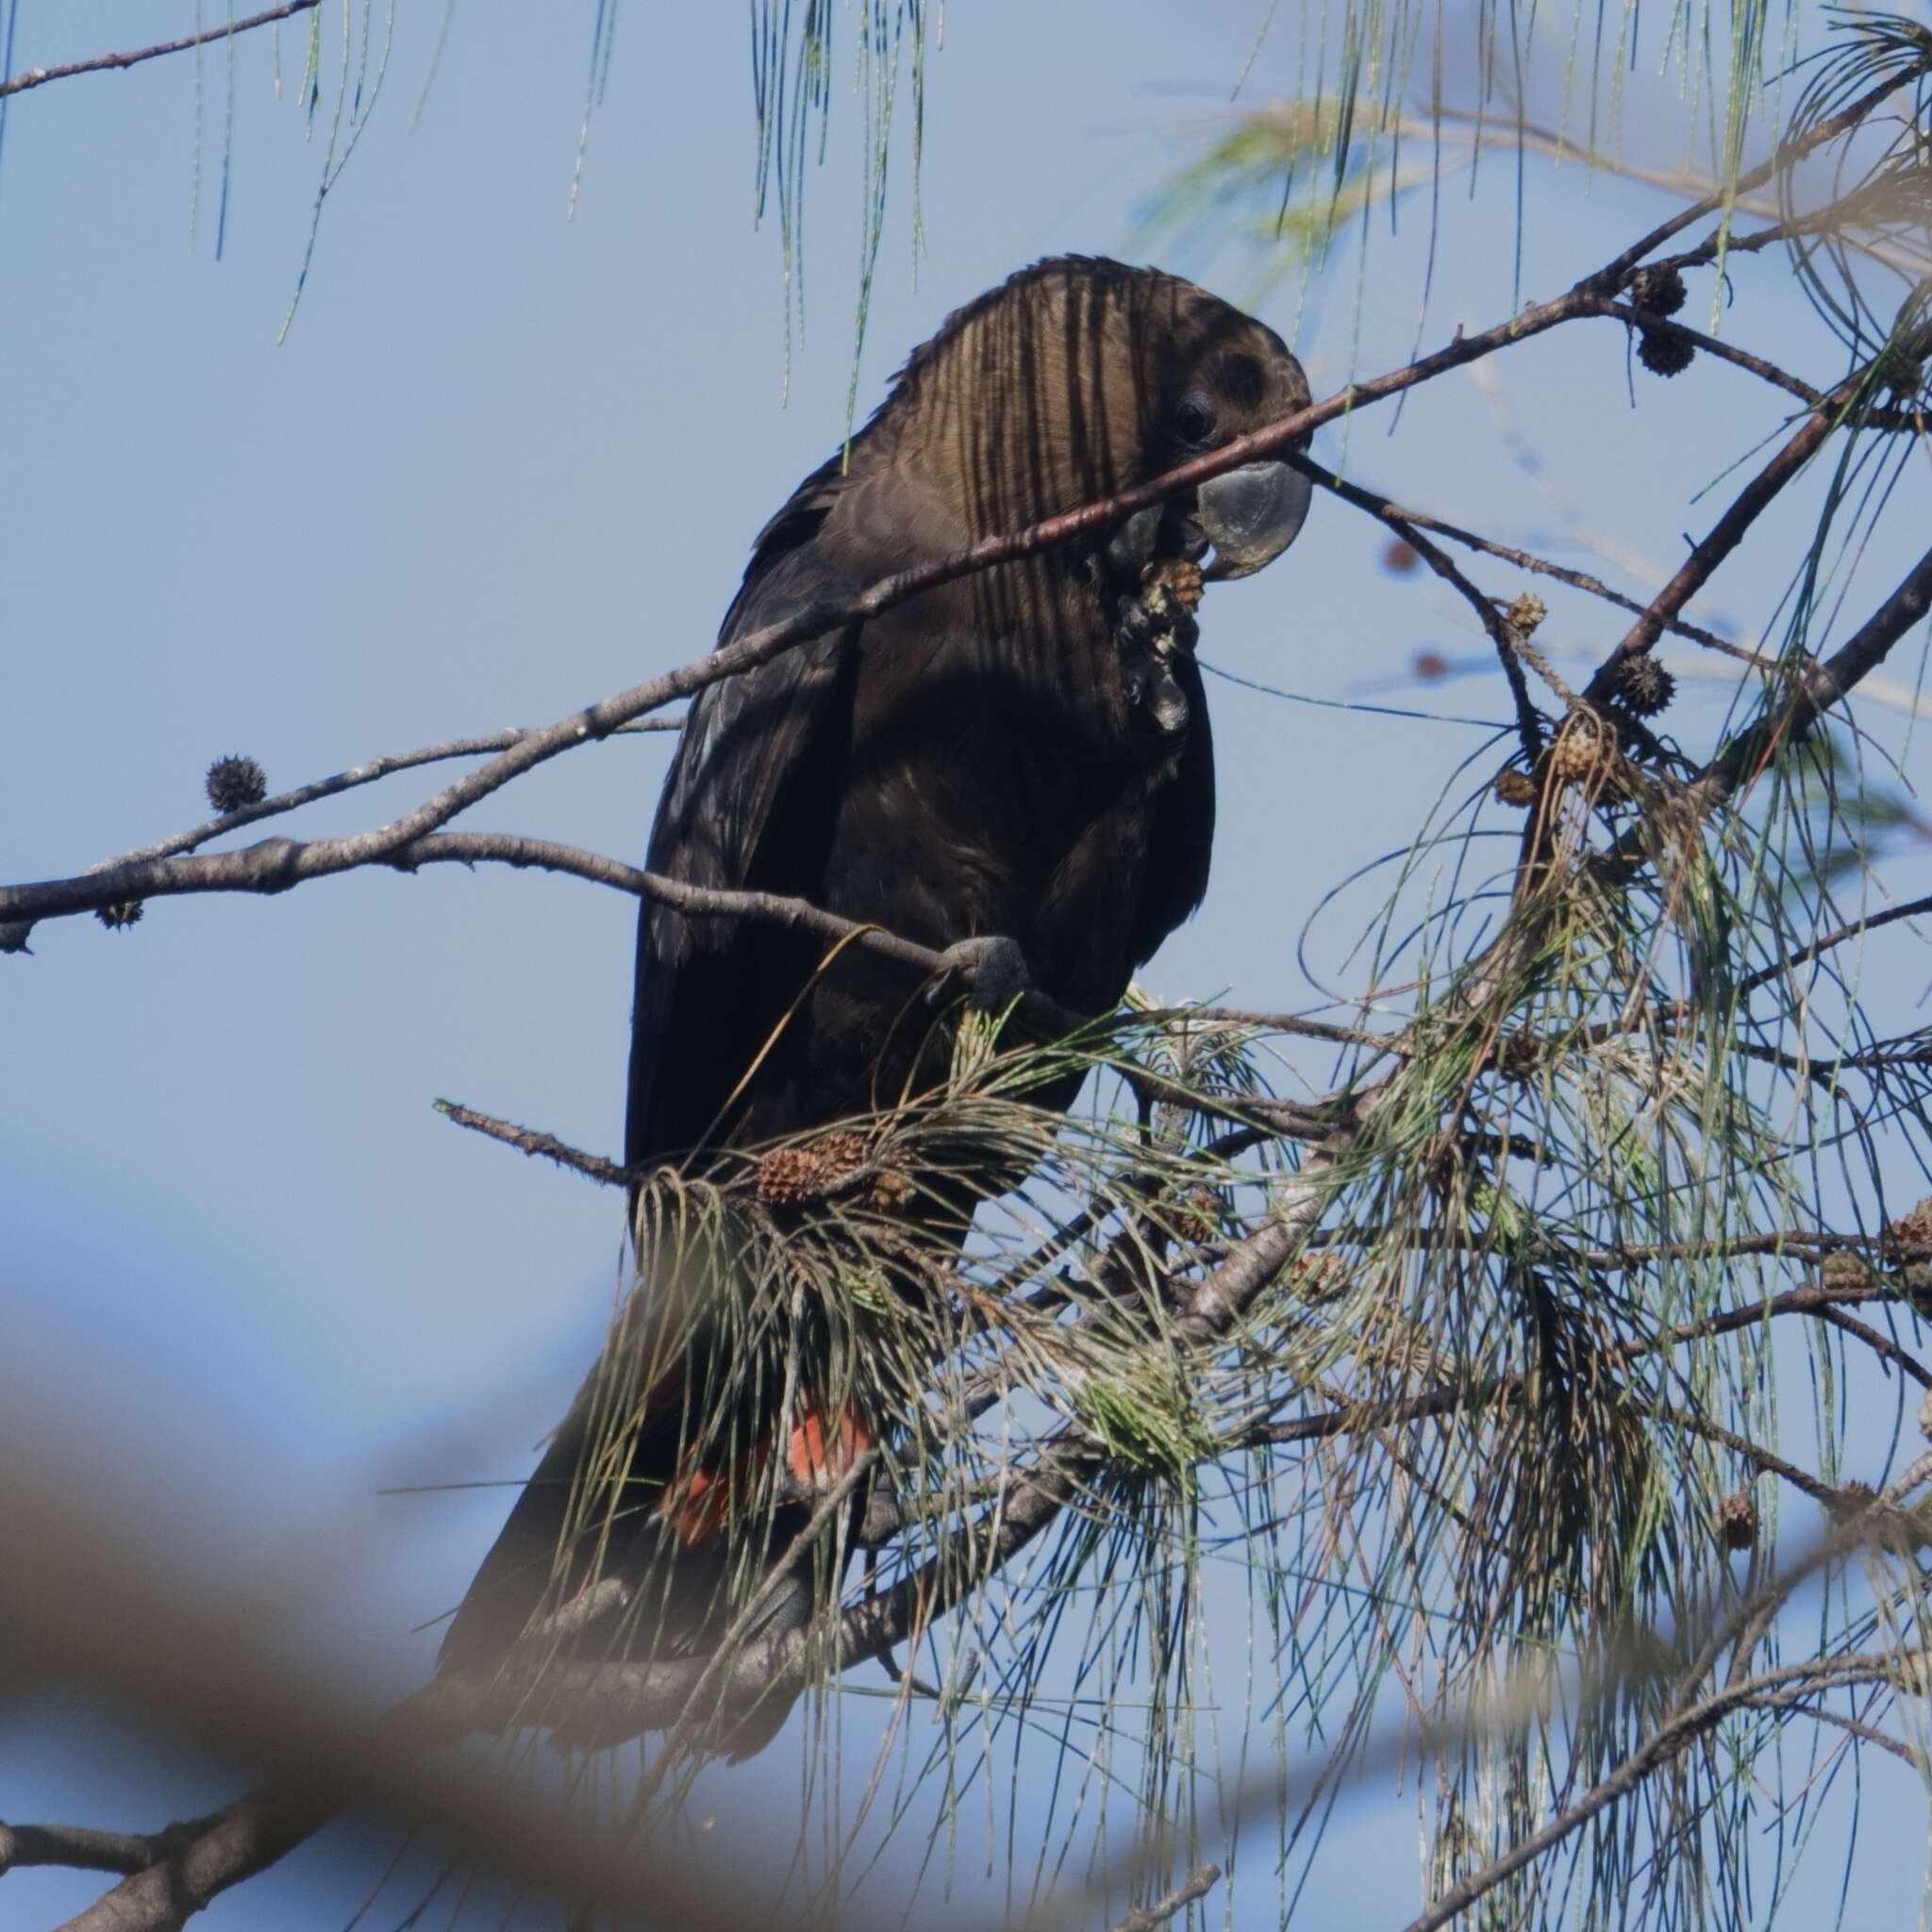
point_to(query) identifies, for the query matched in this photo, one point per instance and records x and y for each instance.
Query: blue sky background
(505, 463)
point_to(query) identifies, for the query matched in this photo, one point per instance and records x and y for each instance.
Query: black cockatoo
(1015, 756)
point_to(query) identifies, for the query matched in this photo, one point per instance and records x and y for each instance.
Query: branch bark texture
(103, 63)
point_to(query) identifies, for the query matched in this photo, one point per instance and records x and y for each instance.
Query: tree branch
(1883, 1346)
(1755, 365)
(1766, 1461)
(533, 1141)
(1263, 1023)
(1376, 504)
(77, 1846)
(1203, 1881)
(40, 76)
(1818, 686)
(1656, 1752)
(1857, 928)
(1455, 1398)
(274, 865)
(1723, 536)
(365, 774)
(1610, 276)
(1795, 1701)
(1502, 634)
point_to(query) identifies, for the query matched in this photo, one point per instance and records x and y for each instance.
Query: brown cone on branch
(1659, 289)
(1664, 354)
(804, 1172)
(1526, 612)
(1644, 687)
(234, 783)
(1736, 1518)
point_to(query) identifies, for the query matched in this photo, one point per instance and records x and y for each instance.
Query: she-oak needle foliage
(1493, 1445)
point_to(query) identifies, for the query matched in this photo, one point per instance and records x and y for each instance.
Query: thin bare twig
(1542, 566)
(1146, 1918)
(1452, 1398)
(367, 772)
(1857, 928)
(1768, 1460)
(533, 1141)
(1883, 1346)
(1610, 276)
(1722, 537)
(1818, 686)
(1810, 1299)
(1715, 346)
(1870, 1734)
(40, 76)
(1506, 636)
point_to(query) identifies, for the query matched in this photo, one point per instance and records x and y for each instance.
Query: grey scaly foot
(995, 971)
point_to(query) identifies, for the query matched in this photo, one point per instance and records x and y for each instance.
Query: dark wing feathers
(748, 745)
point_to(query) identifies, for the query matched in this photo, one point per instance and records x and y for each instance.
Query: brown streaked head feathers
(1063, 385)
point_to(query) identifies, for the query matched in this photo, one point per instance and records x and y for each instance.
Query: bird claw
(881, 1519)
(994, 970)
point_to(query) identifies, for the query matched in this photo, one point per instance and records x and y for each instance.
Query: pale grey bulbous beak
(1251, 515)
